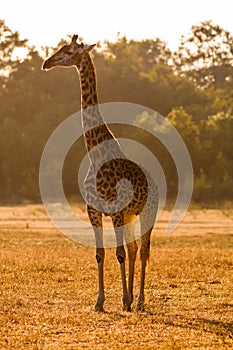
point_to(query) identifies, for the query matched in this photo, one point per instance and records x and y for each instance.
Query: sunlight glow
(44, 22)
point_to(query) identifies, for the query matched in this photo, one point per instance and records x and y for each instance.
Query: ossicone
(74, 38)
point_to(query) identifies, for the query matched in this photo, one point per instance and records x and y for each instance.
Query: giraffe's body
(107, 182)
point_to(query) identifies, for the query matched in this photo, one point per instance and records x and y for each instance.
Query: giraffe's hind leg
(144, 256)
(132, 249)
(147, 220)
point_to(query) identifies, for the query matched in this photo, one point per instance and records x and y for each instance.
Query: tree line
(192, 87)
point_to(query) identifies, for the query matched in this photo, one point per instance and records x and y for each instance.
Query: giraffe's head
(68, 55)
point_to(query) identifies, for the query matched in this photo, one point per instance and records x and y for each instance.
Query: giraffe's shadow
(178, 320)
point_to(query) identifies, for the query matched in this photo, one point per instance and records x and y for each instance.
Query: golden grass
(48, 287)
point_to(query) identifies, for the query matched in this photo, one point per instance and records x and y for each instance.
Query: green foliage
(184, 124)
(184, 86)
(137, 56)
(188, 130)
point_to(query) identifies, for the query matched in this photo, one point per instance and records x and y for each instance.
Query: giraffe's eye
(66, 51)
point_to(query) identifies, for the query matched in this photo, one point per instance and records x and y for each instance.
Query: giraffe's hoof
(140, 307)
(99, 308)
(127, 308)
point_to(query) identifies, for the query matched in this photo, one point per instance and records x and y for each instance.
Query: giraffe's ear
(89, 47)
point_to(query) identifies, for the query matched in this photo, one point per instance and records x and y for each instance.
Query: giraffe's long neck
(94, 127)
(89, 95)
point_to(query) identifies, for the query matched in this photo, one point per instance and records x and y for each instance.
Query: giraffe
(107, 188)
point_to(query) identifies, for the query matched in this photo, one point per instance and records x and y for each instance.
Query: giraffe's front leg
(96, 221)
(101, 297)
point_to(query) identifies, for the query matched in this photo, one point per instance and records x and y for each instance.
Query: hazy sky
(45, 22)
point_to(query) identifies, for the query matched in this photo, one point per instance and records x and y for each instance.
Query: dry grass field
(48, 287)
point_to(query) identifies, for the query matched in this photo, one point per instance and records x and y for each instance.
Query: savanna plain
(48, 286)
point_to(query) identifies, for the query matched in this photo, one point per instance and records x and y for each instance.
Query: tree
(206, 55)
(221, 99)
(171, 90)
(9, 42)
(138, 56)
(33, 103)
(187, 129)
(190, 133)
(217, 159)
